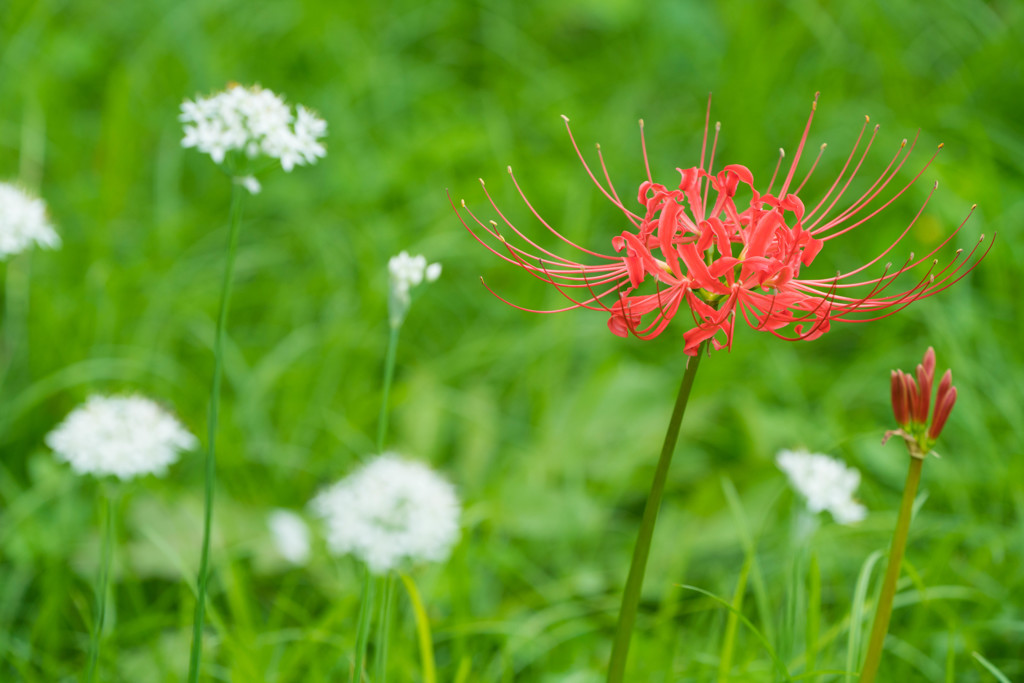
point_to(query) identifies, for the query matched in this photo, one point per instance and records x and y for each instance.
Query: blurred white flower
(405, 273)
(290, 534)
(23, 222)
(826, 484)
(389, 511)
(120, 435)
(254, 121)
(250, 183)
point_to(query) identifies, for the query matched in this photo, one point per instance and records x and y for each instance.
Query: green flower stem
(363, 628)
(634, 584)
(383, 627)
(110, 505)
(389, 376)
(234, 220)
(892, 574)
(387, 582)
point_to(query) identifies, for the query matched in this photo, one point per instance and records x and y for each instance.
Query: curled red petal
(698, 270)
(617, 324)
(688, 179)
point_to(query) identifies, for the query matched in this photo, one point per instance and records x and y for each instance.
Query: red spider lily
(911, 401)
(724, 256)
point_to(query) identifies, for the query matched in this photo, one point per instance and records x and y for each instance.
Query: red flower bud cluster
(911, 402)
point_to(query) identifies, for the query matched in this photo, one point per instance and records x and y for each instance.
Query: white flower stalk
(23, 222)
(252, 122)
(407, 272)
(825, 483)
(125, 436)
(291, 535)
(390, 511)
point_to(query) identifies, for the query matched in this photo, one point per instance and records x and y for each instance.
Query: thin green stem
(363, 628)
(234, 220)
(389, 376)
(892, 574)
(634, 584)
(110, 505)
(383, 628)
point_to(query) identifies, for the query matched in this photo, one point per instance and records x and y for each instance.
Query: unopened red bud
(899, 398)
(929, 362)
(942, 410)
(945, 384)
(924, 392)
(910, 386)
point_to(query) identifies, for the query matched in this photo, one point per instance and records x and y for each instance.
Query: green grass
(549, 426)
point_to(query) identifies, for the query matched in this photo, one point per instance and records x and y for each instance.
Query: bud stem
(892, 574)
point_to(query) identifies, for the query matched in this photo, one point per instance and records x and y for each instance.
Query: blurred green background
(548, 425)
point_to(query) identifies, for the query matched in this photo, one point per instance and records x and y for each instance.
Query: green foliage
(549, 426)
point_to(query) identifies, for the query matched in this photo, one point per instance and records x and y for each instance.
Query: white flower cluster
(405, 273)
(121, 435)
(825, 482)
(254, 121)
(290, 534)
(408, 271)
(389, 511)
(23, 222)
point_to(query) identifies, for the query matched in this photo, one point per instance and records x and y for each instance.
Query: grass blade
(422, 631)
(813, 612)
(729, 641)
(756, 579)
(1000, 676)
(860, 595)
(753, 629)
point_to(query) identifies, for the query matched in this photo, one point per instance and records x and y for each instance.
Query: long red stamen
(799, 149)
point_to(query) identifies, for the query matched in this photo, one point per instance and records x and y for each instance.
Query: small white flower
(405, 273)
(291, 535)
(826, 484)
(250, 183)
(254, 121)
(121, 435)
(389, 511)
(23, 222)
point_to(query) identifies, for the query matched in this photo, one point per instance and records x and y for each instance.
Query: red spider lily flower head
(910, 403)
(718, 244)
